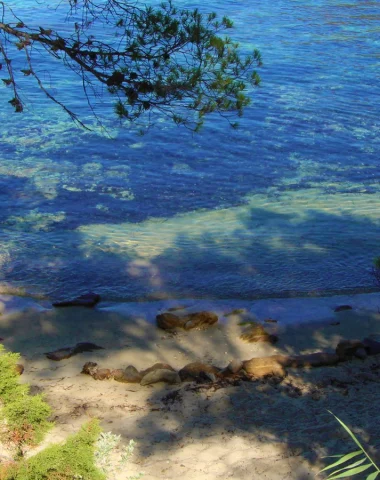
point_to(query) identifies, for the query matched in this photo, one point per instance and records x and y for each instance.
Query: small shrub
(26, 415)
(74, 459)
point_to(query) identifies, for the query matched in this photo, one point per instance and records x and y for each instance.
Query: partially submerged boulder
(256, 333)
(199, 320)
(342, 308)
(169, 321)
(88, 300)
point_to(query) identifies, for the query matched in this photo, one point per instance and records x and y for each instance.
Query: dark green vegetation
(73, 459)
(26, 421)
(26, 415)
(164, 59)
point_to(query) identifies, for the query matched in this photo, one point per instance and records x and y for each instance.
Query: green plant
(105, 446)
(358, 458)
(74, 459)
(26, 415)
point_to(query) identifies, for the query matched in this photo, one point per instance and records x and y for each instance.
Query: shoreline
(286, 310)
(248, 431)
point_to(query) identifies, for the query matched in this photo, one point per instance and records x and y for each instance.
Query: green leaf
(343, 458)
(373, 475)
(349, 467)
(351, 472)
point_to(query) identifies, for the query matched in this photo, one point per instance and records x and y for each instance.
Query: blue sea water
(289, 204)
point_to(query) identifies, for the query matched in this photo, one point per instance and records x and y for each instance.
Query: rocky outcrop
(88, 300)
(199, 320)
(346, 349)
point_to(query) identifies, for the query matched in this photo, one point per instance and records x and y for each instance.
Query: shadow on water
(289, 418)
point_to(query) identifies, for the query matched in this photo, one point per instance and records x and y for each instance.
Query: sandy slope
(253, 430)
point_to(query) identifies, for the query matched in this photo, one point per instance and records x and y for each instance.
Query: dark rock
(61, 354)
(199, 372)
(342, 308)
(87, 300)
(102, 374)
(67, 352)
(347, 348)
(128, 375)
(361, 353)
(157, 366)
(200, 320)
(89, 368)
(371, 346)
(317, 359)
(169, 321)
(161, 375)
(86, 347)
(270, 320)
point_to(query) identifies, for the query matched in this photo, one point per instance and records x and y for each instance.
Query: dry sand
(254, 430)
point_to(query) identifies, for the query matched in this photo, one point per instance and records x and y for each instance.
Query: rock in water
(169, 321)
(257, 333)
(88, 300)
(200, 320)
(342, 308)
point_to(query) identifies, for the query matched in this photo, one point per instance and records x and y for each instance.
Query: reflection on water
(288, 204)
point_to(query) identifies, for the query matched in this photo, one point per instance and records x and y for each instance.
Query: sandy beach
(251, 430)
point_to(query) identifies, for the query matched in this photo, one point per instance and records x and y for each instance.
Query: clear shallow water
(287, 205)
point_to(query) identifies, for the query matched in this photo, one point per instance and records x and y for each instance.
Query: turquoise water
(287, 205)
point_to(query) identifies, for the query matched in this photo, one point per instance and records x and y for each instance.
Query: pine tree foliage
(174, 61)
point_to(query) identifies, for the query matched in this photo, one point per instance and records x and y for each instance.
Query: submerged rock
(199, 320)
(342, 308)
(88, 300)
(257, 333)
(169, 321)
